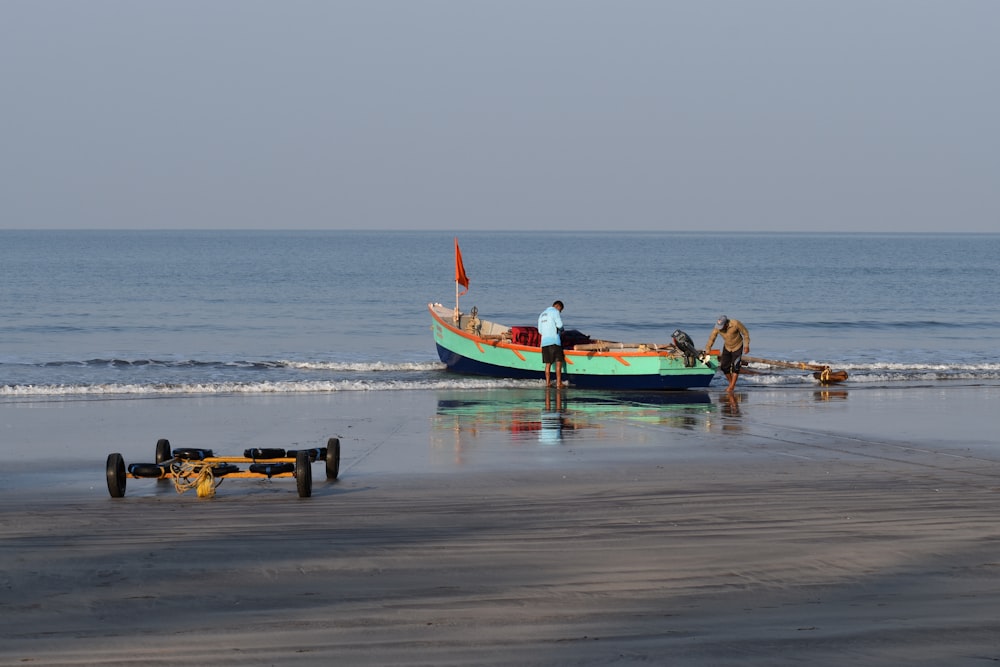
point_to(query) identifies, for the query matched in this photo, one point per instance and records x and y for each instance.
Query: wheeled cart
(201, 469)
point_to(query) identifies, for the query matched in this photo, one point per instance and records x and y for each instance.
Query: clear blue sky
(841, 115)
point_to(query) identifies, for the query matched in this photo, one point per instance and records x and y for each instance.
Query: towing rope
(194, 474)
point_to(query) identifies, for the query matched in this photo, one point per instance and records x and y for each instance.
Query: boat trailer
(201, 469)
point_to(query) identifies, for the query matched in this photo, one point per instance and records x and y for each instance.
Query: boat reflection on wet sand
(550, 415)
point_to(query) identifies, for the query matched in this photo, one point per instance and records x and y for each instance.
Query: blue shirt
(549, 325)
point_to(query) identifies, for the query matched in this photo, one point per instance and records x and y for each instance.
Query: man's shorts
(552, 354)
(729, 362)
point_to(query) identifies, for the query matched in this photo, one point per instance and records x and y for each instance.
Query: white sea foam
(445, 382)
(859, 375)
(361, 367)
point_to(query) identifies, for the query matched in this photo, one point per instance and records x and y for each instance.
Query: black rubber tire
(303, 475)
(258, 453)
(333, 458)
(193, 454)
(163, 450)
(270, 469)
(116, 475)
(222, 469)
(146, 470)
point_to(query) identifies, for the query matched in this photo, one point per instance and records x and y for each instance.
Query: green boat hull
(632, 369)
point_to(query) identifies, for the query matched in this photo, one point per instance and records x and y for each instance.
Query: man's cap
(722, 321)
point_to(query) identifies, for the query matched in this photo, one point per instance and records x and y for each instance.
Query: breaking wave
(424, 376)
(113, 389)
(345, 366)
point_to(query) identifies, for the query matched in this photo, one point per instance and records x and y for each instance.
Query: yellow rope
(194, 474)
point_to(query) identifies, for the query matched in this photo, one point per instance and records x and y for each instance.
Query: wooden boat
(470, 345)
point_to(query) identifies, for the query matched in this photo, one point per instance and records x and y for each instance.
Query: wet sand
(785, 527)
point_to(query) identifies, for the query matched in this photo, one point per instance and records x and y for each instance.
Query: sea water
(96, 313)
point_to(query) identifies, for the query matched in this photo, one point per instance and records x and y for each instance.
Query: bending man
(736, 343)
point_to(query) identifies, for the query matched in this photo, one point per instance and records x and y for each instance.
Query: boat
(470, 345)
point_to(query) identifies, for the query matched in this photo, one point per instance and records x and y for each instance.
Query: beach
(821, 526)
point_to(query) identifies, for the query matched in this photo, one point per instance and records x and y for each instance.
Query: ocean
(99, 313)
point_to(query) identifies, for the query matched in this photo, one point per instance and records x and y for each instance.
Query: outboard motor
(686, 346)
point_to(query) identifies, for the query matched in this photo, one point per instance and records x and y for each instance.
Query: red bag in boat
(526, 336)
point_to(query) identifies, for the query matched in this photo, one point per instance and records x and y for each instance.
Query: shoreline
(790, 528)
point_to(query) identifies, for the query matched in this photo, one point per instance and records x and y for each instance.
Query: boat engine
(685, 346)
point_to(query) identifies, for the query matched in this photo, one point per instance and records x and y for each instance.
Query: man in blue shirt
(550, 326)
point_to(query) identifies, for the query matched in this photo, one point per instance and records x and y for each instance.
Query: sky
(764, 115)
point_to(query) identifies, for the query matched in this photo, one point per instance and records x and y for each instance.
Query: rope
(194, 475)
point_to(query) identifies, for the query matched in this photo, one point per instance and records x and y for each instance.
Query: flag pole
(460, 279)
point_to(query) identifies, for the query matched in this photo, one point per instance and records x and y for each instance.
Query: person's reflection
(552, 420)
(730, 409)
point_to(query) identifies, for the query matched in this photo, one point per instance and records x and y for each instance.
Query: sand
(789, 527)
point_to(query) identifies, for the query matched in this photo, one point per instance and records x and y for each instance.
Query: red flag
(460, 276)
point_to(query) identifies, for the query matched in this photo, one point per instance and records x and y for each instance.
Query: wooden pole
(784, 364)
(821, 372)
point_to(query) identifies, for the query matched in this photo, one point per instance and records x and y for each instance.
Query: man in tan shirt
(736, 343)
